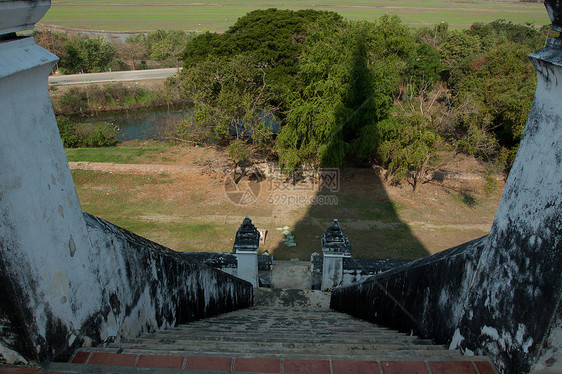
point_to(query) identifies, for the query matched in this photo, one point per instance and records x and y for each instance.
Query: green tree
(133, 50)
(348, 76)
(68, 132)
(501, 30)
(493, 93)
(238, 152)
(423, 69)
(273, 37)
(167, 45)
(99, 134)
(408, 152)
(229, 95)
(51, 41)
(87, 55)
(459, 46)
(312, 133)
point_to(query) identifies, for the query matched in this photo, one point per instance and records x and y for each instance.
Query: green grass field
(118, 155)
(218, 15)
(191, 212)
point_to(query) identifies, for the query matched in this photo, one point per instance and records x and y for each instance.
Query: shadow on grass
(367, 215)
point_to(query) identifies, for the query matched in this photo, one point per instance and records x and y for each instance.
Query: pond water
(145, 124)
(139, 124)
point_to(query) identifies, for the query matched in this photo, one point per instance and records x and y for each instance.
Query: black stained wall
(498, 296)
(140, 287)
(424, 296)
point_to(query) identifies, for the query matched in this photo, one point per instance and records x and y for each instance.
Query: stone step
(283, 333)
(280, 325)
(300, 351)
(273, 339)
(314, 329)
(305, 338)
(283, 298)
(280, 319)
(340, 334)
(288, 343)
(303, 329)
(277, 332)
(357, 355)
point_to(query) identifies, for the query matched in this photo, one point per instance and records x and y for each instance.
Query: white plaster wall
(248, 267)
(21, 15)
(350, 277)
(533, 192)
(550, 360)
(517, 285)
(42, 232)
(332, 272)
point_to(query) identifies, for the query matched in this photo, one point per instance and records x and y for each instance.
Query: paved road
(116, 76)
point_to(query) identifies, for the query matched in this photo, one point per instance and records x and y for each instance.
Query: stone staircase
(287, 332)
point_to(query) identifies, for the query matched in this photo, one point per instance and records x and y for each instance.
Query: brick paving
(264, 365)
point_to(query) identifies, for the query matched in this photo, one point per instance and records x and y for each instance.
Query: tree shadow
(367, 215)
(355, 196)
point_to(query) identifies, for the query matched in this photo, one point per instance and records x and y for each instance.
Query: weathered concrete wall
(316, 266)
(354, 269)
(332, 272)
(21, 15)
(149, 287)
(425, 296)
(549, 356)
(519, 283)
(228, 262)
(499, 295)
(67, 278)
(359, 269)
(133, 286)
(248, 267)
(42, 229)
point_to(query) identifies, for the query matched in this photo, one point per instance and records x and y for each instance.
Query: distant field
(218, 15)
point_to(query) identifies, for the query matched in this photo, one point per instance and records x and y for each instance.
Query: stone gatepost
(335, 246)
(245, 247)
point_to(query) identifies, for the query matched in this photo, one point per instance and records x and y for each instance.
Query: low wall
(500, 296)
(130, 286)
(228, 262)
(407, 297)
(358, 269)
(354, 269)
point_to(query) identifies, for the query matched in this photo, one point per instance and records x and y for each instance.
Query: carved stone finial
(247, 237)
(334, 240)
(554, 9)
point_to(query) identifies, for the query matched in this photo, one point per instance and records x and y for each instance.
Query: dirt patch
(183, 203)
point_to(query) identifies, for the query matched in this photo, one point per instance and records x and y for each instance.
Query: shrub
(68, 132)
(99, 134)
(238, 151)
(72, 101)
